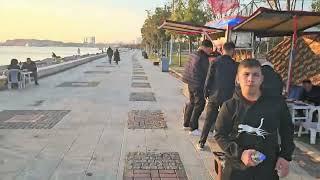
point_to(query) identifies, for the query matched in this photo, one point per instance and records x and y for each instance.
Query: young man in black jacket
(195, 73)
(251, 121)
(219, 87)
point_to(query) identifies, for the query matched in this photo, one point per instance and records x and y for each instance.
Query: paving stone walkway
(102, 122)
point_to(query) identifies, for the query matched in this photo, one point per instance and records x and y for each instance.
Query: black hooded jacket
(110, 52)
(220, 80)
(276, 121)
(272, 83)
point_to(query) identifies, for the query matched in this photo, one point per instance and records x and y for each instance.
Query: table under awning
(271, 23)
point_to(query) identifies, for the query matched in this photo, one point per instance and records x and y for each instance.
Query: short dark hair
(207, 43)
(228, 46)
(29, 59)
(14, 62)
(249, 63)
(306, 81)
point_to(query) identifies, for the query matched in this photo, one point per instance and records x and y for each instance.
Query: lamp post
(171, 38)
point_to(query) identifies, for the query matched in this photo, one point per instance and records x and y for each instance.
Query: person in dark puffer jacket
(252, 121)
(195, 73)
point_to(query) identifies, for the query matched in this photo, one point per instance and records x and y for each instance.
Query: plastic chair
(313, 127)
(14, 77)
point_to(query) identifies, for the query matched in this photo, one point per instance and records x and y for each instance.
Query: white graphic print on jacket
(254, 131)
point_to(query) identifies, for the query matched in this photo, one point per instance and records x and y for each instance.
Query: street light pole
(171, 37)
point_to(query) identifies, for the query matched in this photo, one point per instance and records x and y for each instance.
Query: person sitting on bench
(32, 67)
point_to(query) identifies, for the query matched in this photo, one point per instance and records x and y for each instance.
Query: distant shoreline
(52, 43)
(2, 45)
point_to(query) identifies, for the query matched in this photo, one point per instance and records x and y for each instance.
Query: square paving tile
(142, 96)
(146, 119)
(30, 119)
(108, 64)
(97, 72)
(140, 85)
(137, 68)
(151, 165)
(137, 73)
(79, 84)
(139, 77)
(105, 66)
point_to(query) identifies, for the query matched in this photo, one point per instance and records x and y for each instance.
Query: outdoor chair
(312, 126)
(14, 77)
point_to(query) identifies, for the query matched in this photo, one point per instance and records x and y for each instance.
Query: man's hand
(282, 167)
(246, 157)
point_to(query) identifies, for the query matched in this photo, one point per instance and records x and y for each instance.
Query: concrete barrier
(53, 69)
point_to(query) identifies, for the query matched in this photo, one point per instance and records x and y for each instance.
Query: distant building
(138, 40)
(89, 41)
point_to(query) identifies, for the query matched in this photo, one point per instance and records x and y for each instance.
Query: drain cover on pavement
(145, 119)
(153, 165)
(97, 72)
(79, 84)
(142, 96)
(30, 119)
(140, 85)
(139, 77)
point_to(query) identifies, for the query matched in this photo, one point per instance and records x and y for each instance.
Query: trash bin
(164, 64)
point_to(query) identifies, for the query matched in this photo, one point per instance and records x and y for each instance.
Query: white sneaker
(200, 147)
(196, 132)
(186, 128)
(211, 134)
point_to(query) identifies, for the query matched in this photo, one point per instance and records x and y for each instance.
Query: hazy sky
(72, 20)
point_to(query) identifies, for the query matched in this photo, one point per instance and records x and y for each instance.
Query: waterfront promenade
(99, 121)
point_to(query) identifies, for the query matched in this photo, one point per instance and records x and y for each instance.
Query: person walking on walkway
(195, 75)
(219, 87)
(32, 67)
(116, 56)
(110, 54)
(249, 124)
